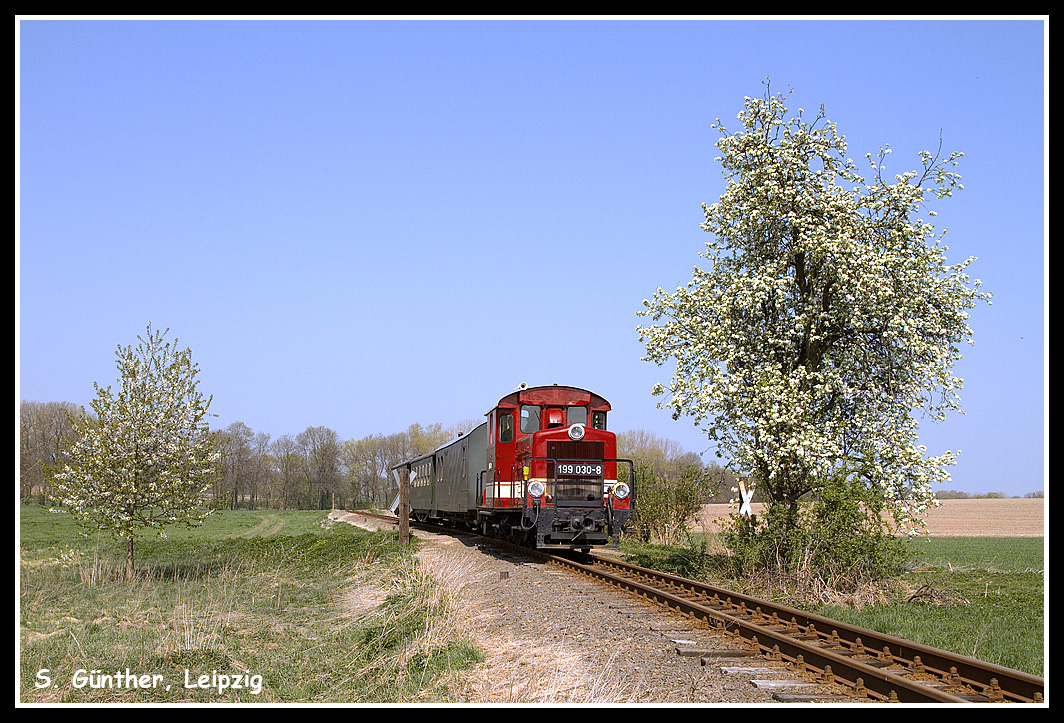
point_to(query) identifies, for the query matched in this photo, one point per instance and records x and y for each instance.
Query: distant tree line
(957, 495)
(314, 469)
(42, 429)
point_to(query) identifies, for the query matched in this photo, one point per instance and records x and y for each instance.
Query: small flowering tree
(827, 321)
(143, 460)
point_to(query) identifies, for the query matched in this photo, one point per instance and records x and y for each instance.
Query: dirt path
(269, 525)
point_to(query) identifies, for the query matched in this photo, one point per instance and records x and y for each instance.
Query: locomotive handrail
(517, 482)
(496, 488)
(631, 480)
(513, 485)
(556, 460)
(610, 512)
(631, 487)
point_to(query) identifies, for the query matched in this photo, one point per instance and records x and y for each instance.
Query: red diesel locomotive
(541, 471)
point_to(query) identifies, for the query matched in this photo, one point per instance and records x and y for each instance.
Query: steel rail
(828, 647)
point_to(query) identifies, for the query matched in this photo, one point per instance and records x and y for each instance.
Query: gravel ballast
(552, 636)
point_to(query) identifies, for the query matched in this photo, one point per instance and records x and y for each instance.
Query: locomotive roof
(554, 394)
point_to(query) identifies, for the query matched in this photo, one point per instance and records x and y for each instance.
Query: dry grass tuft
(201, 613)
(929, 594)
(443, 615)
(361, 599)
(808, 589)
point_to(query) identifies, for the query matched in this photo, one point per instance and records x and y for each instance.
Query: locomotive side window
(529, 418)
(576, 415)
(598, 420)
(506, 428)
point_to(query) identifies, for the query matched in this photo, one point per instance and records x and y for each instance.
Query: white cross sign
(744, 508)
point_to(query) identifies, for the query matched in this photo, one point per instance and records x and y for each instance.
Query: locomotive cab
(551, 480)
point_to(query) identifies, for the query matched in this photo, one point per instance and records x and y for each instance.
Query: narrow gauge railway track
(870, 664)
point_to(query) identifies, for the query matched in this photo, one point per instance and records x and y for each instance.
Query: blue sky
(362, 224)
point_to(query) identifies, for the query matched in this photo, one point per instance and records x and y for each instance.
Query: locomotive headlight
(620, 491)
(576, 432)
(536, 489)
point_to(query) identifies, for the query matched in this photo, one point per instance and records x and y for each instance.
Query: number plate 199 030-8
(579, 469)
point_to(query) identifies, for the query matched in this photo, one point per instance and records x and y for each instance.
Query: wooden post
(404, 505)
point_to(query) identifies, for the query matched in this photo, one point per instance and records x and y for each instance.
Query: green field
(988, 593)
(265, 600)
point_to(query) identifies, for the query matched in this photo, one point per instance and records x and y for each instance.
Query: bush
(667, 501)
(838, 539)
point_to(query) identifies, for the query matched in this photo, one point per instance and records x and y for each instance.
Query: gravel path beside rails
(553, 637)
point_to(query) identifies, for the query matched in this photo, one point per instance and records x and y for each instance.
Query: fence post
(404, 505)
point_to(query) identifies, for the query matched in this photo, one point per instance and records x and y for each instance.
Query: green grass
(302, 610)
(988, 598)
(997, 590)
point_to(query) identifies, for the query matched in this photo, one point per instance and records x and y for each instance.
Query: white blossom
(827, 320)
(144, 457)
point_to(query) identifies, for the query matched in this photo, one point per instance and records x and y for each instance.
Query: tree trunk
(129, 559)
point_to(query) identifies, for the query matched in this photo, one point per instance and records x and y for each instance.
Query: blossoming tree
(145, 457)
(828, 318)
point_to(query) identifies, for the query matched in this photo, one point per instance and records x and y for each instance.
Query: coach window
(598, 420)
(506, 428)
(529, 419)
(576, 415)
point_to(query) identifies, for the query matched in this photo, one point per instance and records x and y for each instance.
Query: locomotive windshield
(576, 415)
(534, 416)
(529, 418)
